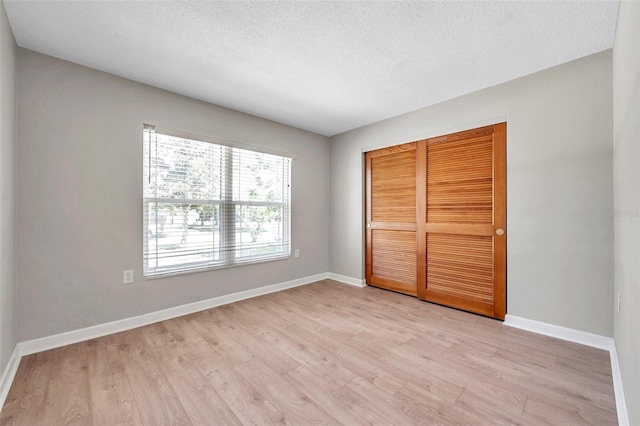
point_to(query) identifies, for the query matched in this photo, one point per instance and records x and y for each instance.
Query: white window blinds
(210, 205)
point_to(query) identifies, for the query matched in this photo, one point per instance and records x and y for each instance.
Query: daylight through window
(211, 205)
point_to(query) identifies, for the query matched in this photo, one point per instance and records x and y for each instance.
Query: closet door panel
(465, 203)
(391, 218)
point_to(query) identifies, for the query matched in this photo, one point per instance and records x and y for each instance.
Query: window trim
(225, 206)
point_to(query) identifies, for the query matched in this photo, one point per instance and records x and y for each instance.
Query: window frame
(228, 258)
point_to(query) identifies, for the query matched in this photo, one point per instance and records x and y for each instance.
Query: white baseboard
(75, 336)
(618, 389)
(8, 375)
(347, 280)
(583, 338)
(564, 333)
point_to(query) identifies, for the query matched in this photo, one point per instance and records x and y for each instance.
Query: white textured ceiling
(323, 66)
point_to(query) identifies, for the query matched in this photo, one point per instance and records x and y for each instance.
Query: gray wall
(626, 197)
(8, 325)
(79, 186)
(559, 180)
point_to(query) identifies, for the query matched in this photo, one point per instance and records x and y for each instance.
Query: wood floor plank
(299, 407)
(598, 371)
(326, 338)
(548, 413)
(424, 407)
(314, 352)
(363, 408)
(216, 339)
(111, 396)
(248, 404)
(544, 382)
(201, 401)
(298, 347)
(161, 342)
(375, 401)
(322, 353)
(492, 402)
(229, 347)
(276, 359)
(68, 397)
(156, 398)
(26, 399)
(323, 389)
(425, 364)
(182, 331)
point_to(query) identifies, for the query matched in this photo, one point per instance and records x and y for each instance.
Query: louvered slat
(394, 255)
(393, 182)
(459, 181)
(460, 266)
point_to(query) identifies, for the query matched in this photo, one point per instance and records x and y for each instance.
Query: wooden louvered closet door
(453, 251)
(391, 218)
(465, 243)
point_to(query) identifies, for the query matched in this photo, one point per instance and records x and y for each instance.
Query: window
(211, 205)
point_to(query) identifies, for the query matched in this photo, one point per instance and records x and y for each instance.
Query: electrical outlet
(296, 253)
(127, 277)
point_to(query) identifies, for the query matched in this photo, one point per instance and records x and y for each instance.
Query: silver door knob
(368, 225)
(499, 231)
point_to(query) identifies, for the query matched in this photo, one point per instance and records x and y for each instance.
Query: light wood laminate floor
(321, 353)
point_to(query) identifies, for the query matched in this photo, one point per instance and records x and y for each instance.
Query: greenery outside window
(211, 205)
